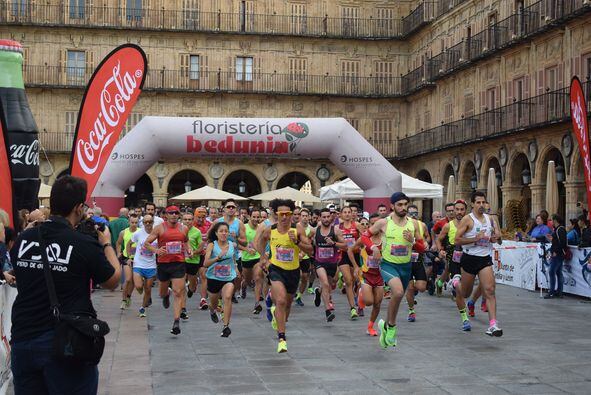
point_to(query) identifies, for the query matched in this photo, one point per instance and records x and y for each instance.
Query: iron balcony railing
(227, 81)
(56, 142)
(25, 12)
(548, 108)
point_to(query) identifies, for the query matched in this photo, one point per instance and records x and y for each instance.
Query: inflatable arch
(161, 138)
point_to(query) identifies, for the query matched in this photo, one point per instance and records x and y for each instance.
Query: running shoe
(123, 305)
(189, 293)
(299, 301)
(214, 316)
(243, 293)
(439, 287)
(470, 305)
(317, 296)
(360, 312)
(142, 312)
(184, 315)
(282, 346)
(311, 291)
(371, 331)
(494, 331)
(354, 314)
(273, 320)
(226, 331)
(330, 316)
(381, 325)
(176, 328)
(234, 300)
(483, 306)
(166, 301)
(387, 294)
(466, 327)
(203, 304)
(128, 302)
(412, 317)
(257, 309)
(391, 336)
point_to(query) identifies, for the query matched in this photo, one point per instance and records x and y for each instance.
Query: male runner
(453, 254)
(150, 209)
(250, 261)
(350, 232)
(418, 273)
(305, 260)
(475, 234)
(144, 263)
(203, 225)
(449, 216)
(172, 245)
(382, 211)
(213, 214)
(295, 218)
(327, 240)
(285, 240)
(193, 262)
(401, 235)
(125, 255)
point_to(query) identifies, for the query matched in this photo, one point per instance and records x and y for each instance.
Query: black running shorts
(289, 278)
(169, 271)
(473, 264)
(305, 265)
(215, 286)
(331, 268)
(192, 268)
(249, 264)
(418, 271)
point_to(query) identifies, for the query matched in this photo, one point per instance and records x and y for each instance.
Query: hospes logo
(129, 156)
(356, 159)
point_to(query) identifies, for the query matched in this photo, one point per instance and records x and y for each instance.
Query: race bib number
(325, 252)
(146, 252)
(484, 242)
(350, 242)
(174, 247)
(398, 250)
(373, 263)
(456, 256)
(284, 254)
(414, 257)
(222, 270)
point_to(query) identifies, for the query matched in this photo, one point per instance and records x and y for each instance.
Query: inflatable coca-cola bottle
(21, 130)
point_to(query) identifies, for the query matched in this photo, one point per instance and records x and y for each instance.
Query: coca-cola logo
(25, 154)
(114, 98)
(578, 116)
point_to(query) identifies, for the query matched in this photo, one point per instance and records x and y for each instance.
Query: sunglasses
(231, 207)
(173, 212)
(284, 213)
(148, 222)
(364, 223)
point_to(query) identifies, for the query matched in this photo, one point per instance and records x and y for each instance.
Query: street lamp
(526, 176)
(188, 186)
(499, 178)
(473, 182)
(242, 187)
(560, 176)
(295, 185)
(132, 188)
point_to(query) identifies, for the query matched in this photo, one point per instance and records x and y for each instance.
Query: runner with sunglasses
(350, 230)
(144, 264)
(286, 241)
(173, 243)
(250, 261)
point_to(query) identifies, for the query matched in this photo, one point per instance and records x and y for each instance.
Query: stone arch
(140, 193)
(576, 166)
(467, 171)
(231, 182)
(551, 153)
(516, 164)
(176, 184)
(489, 162)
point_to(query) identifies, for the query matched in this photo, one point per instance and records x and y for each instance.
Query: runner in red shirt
(203, 224)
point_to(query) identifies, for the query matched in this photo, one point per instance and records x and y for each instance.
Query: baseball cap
(171, 209)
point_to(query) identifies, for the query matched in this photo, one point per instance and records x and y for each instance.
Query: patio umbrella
(287, 193)
(492, 192)
(451, 189)
(551, 189)
(207, 193)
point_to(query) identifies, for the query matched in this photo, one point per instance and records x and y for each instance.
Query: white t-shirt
(157, 221)
(143, 258)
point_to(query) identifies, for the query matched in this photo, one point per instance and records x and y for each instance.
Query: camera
(90, 226)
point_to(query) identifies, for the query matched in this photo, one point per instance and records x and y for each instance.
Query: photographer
(75, 259)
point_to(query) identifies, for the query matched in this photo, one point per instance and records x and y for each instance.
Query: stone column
(160, 199)
(538, 198)
(575, 191)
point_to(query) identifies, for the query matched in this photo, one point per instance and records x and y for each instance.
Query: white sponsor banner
(7, 296)
(514, 264)
(576, 272)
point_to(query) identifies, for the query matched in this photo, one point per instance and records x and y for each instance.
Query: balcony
(542, 110)
(56, 142)
(227, 82)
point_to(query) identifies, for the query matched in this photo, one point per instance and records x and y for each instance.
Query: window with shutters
(355, 123)
(448, 112)
(468, 105)
(382, 131)
(492, 31)
(190, 66)
(244, 68)
(299, 18)
(551, 99)
(519, 94)
(190, 10)
(384, 77)
(133, 10)
(70, 124)
(491, 98)
(350, 71)
(77, 8)
(134, 119)
(298, 69)
(20, 8)
(75, 67)
(386, 21)
(247, 16)
(551, 75)
(350, 20)
(586, 70)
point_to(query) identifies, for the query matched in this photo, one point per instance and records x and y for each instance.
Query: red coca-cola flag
(109, 98)
(6, 196)
(578, 113)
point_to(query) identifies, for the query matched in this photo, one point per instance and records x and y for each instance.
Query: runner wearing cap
(173, 243)
(401, 235)
(203, 225)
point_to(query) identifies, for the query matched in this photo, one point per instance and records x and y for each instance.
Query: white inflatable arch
(162, 138)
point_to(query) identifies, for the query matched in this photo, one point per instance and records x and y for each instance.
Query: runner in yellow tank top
(125, 251)
(418, 276)
(283, 265)
(400, 234)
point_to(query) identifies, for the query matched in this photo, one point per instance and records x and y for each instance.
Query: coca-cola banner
(109, 98)
(578, 113)
(5, 176)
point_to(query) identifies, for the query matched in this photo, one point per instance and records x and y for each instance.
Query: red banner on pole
(578, 113)
(6, 202)
(110, 96)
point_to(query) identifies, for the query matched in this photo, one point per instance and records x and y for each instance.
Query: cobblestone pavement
(546, 349)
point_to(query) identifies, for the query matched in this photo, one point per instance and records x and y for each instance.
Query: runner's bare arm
(465, 225)
(262, 240)
(128, 245)
(358, 244)
(242, 235)
(119, 244)
(340, 241)
(156, 232)
(378, 227)
(207, 262)
(496, 236)
(303, 241)
(442, 236)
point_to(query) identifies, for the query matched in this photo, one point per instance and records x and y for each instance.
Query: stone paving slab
(545, 350)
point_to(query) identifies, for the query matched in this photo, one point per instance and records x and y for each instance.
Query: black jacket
(559, 243)
(585, 238)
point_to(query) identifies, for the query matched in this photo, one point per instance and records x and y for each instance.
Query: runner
(250, 261)
(203, 225)
(260, 275)
(150, 209)
(449, 216)
(447, 247)
(418, 276)
(372, 286)
(475, 234)
(285, 240)
(328, 239)
(350, 232)
(214, 214)
(305, 260)
(193, 262)
(382, 211)
(401, 235)
(172, 245)
(125, 256)
(144, 263)
(220, 261)
(363, 226)
(295, 218)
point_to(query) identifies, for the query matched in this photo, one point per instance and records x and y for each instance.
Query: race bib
(325, 252)
(131, 250)
(146, 252)
(350, 241)
(485, 242)
(456, 256)
(284, 254)
(398, 250)
(222, 270)
(414, 257)
(174, 247)
(373, 263)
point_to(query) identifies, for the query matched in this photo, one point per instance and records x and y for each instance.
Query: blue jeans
(35, 371)
(555, 273)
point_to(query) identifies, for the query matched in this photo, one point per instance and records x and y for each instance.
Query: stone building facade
(442, 87)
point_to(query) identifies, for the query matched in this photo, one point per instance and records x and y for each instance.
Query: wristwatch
(106, 245)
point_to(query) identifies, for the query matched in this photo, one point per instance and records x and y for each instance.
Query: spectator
(559, 246)
(573, 237)
(541, 230)
(34, 368)
(585, 232)
(529, 226)
(547, 220)
(117, 225)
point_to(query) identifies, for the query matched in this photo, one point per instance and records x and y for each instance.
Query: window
(134, 119)
(298, 69)
(552, 78)
(382, 130)
(71, 119)
(386, 21)
(520, 20)
(492, 31)
(191, 13)
(299, 18)
(77, 9)
(448, 109)
(75, 67)
(586, 72)
(20, 7)
(244, 68)
(468, 105)
(491, 98)
(246, 16)
(134, 10)
(350, 20)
